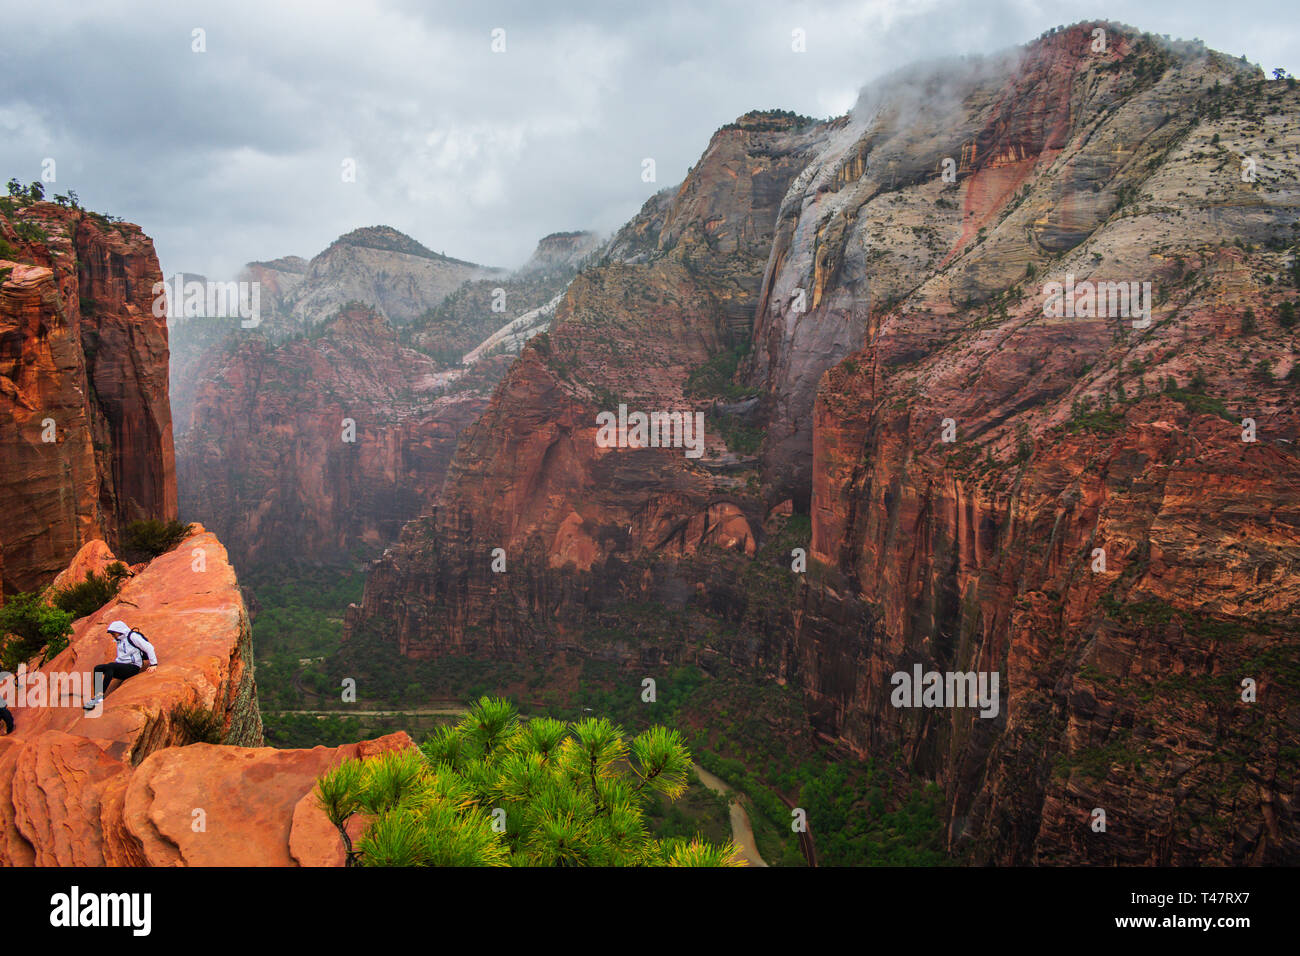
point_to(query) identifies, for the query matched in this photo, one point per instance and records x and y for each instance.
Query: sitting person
(131, 648)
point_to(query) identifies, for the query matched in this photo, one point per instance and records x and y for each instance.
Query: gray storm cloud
(235, 153)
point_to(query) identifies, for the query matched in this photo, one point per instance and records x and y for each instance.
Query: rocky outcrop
(320, 447)
(126, 785)
(85, 424)
(264, 812)
(94, 558)
(967, 457)
(561, 252)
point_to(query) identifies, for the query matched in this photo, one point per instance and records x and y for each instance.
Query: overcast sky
(236, 153)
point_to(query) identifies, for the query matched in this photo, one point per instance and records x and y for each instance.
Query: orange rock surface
(85, 422)
(93, 558)
(124, 785)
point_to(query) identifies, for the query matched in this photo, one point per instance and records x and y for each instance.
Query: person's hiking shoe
(93, 703)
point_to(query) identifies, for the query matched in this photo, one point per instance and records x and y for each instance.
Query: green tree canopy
(27, 624)
(495, 790)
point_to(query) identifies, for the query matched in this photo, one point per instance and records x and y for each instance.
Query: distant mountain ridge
(561, 250)
(281, 495)
(378, 266)
(388, 239)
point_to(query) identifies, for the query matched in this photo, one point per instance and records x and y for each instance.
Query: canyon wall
(1095, 529)
(85, 424)
(1063, 499)
(272, 465)
(529, 477)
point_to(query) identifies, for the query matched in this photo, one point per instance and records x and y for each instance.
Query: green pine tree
(495, 790)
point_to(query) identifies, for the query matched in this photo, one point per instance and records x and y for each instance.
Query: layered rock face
(1069, 498)
(272, 464)
(530, 478)
(85, 424)
(1056, 539)
(264, 459)
(375, 266)
(124, 785)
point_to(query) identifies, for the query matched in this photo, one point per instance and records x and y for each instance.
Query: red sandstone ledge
(123, 788)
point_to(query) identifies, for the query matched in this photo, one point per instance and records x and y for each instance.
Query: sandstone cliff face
(529, 477)
(871, 217)
(1122, 686)
(125, 786)
(262, 459)
(271, 465)
(921, 306)
(83, 361)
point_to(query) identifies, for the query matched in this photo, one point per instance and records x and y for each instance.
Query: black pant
(8, 719)
(115, 669)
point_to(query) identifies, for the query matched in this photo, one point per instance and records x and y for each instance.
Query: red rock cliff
(126, 786)
(529, 477)
(1070, 436)
(270, 465)
(83, 361)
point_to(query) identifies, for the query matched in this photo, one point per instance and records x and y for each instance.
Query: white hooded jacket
(131, 644)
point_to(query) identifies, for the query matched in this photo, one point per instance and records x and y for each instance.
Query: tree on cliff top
(498, 791)
(146, 540)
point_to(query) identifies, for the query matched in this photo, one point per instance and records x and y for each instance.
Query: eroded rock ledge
(126, 788)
